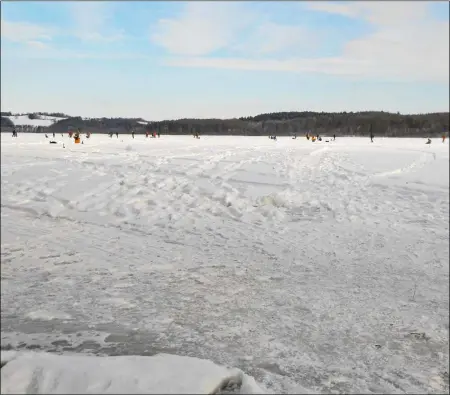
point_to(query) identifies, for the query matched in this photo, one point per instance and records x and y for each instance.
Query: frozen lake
(312, 267)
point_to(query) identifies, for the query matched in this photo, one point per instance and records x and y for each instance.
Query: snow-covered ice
(312, 267)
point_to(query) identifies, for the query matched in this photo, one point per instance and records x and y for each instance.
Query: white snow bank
(43, 373)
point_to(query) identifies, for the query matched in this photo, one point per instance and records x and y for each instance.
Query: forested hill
(281, 123)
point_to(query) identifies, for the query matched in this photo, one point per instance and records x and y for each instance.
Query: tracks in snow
(249, 256)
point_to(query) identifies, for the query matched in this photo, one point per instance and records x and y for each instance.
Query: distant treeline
(280, 124)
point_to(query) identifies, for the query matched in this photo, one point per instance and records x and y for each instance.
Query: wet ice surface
(313, 267)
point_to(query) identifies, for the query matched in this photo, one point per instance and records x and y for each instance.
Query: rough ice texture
(42, 373)
(310, 266)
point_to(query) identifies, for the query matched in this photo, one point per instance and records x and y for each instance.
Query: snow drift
(44, 373)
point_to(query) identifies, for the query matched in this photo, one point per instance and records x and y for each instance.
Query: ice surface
(310, 266)
(42, 373)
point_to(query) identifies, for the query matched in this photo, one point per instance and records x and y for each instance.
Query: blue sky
(166, 60)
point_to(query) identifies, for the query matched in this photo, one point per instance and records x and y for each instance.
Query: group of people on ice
(77, 135)
(152, 135)
(317, 137)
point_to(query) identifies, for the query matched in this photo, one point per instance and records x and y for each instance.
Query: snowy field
(312, 267)
(24, 120)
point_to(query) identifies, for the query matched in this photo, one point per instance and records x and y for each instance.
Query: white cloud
(205, 27)
(202, 28)
(377, 13)
(407, 41)
(37, 50)
(92, 21)
(271, 38)
(24, 32)
(348, 9)
(406, 44)
(37, 44)
(335, 65)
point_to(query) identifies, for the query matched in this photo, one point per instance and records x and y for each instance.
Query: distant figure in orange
(443, 138)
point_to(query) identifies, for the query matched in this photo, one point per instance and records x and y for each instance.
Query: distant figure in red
(443, 138)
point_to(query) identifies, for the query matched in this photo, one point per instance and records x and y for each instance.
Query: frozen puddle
(44, 373)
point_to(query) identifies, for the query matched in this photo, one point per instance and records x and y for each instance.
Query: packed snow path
(310, 266)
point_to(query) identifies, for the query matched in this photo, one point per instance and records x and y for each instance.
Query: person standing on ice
(443, 138)
(117, 134)
(132, 133)
(371, 134)
(334, 137)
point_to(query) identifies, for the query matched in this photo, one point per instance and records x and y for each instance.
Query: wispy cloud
(27, 33)
(202, 28)
(89, 21)
(37, 44)
(406, 44)
(38, 50)
(273, 38)
(92, 21)
(305, 54)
